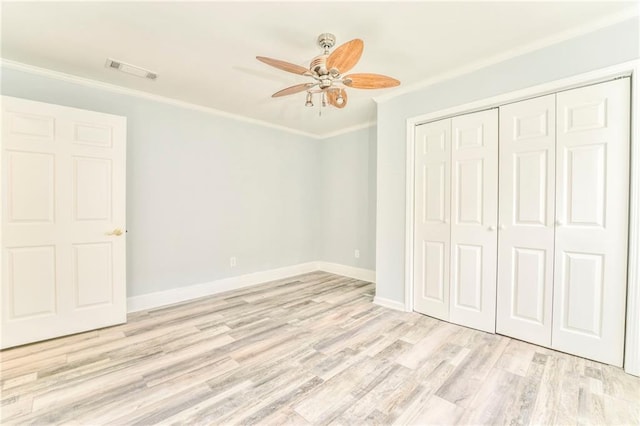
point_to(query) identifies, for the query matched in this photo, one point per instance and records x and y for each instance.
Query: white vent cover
(130, 69)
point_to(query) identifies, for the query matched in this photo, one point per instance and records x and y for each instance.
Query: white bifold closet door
(432, 210)
(553, 243)
(527, 216)
(592, 190)
(474, 212)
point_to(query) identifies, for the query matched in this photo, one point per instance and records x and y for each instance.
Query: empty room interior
(314, 213)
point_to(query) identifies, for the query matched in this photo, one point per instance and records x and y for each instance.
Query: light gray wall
(602, 48)
(201, 188)
(347, 198)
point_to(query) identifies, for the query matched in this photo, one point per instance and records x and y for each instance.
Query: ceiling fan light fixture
(327, 70)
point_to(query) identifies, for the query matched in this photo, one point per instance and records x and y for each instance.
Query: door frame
(626, 69)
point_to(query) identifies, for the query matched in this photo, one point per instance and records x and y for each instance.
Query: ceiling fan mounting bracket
(326, 41)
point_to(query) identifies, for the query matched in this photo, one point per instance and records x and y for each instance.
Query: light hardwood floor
(306, 350)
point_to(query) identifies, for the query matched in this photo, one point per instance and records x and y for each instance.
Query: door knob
(491, 228)
(558, 222)
(501, 227)
(117, 232)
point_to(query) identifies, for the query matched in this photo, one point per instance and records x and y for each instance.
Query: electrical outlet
(233, 262)
(356, 253)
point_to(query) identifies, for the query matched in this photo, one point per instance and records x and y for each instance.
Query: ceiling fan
(328, 71)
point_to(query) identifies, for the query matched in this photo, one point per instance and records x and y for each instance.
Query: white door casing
(63, 192)
(474, 211)
(432, 212)
(592, 190)
(527, 213)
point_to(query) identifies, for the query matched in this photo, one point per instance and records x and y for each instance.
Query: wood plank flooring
(312, 349)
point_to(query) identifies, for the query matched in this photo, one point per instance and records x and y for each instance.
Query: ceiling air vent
(131, 69)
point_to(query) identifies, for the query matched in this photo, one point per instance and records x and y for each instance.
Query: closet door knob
(559, 222)
(491, 228)
(501, 227)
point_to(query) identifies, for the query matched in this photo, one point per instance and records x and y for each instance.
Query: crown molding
(348, 130)
(31, 69)
(609, 20)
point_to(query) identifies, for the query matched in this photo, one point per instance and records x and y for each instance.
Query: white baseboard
(388, 303)
(347, 271)
(181, 294)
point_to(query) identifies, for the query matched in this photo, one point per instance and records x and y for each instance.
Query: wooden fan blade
(293, 89)
(346, 56)
(282, 65)
(370, 81)
(332, 98)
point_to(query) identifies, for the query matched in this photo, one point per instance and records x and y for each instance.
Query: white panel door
(63, 221)
(592, 214)
(526, 219)
(474, 211)
(431, 211)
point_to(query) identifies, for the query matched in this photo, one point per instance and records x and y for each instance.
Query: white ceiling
(204, 52)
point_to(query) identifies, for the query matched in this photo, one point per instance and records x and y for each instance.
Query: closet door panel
(526, 217)
(474, 199)
(592, 221)
(432, 211)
